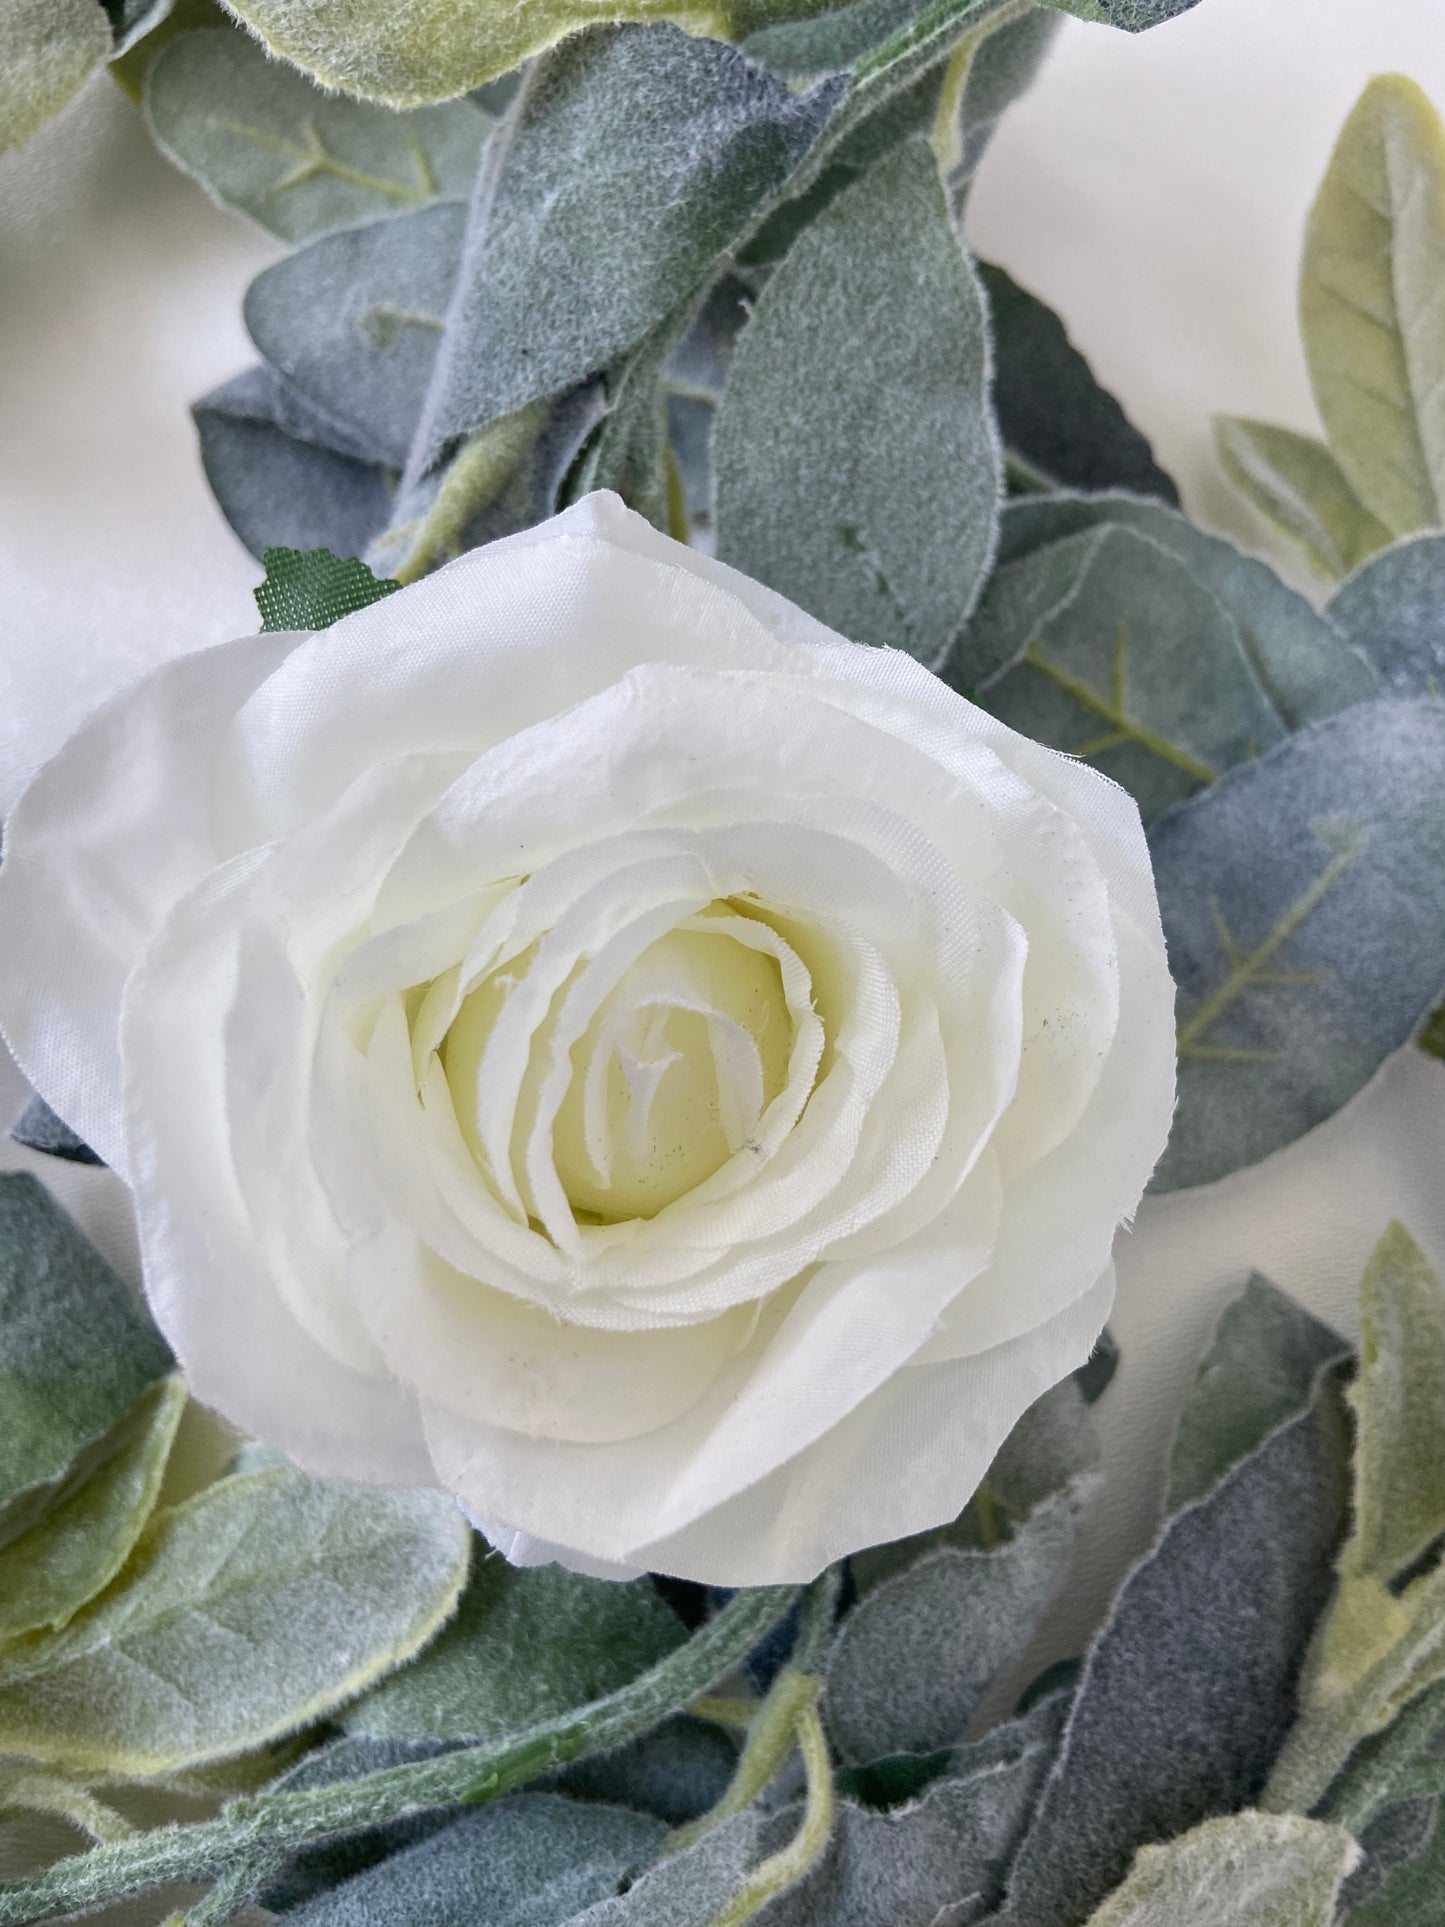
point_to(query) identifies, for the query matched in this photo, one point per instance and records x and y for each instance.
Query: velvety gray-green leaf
(75, 1350)
(48, 50)
(687, 1889)
(1303, 900)
(1414, 1894)
(830, 42)
(1131, 663)
(534, 1860)
(260, 137)
(1296, 483)
(1249, 1870)
(995, 71)
(254, 1608)
(1370, 308)
(39, 1129)
(858, 470)
(1189, 1688)
(526, 1644)
(1393, 611)
(312, 588)
(1392, 1840)
(49, 1572)
(628, 166)
(1259, 1371)
(678, 1772)
(1134, 16)
(354, 320)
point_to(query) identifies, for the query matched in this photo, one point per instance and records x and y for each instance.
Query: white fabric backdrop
(1153, 189)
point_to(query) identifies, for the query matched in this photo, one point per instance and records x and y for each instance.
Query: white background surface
(1152, 189)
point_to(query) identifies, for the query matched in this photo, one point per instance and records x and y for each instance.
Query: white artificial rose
(581, 1033)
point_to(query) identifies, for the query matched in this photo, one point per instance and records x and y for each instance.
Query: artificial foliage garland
(1253, 1734)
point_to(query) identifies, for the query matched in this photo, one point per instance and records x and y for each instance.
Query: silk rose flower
(581, 1033)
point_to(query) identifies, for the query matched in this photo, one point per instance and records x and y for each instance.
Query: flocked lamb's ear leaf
(1130, 663)
(260, 137)
(311, 589)
(678, 1771)
(1410, 1897)
(1259, 1371)
(628, 165)
(75, 1351)
(863, 482)
(39, 1129)
(687, 1889)
(354, 320)
(284, 475)
(1393, 611)
(84, 1538)
(1296, 483)
(1303, 900)
(1053, 415)
(48, 50)
(1134, 16)
(534, 1860)
(1373, 326)
(249, 1611)
(1189, 1688)
(525, 1645)
(1396, 1837)
(1249, 1869)
(985, 77)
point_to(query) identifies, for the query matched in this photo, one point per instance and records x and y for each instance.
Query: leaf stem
(475, 478)
(806, 1847)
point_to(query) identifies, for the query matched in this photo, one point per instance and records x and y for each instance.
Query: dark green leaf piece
(1303, 899)
(39, 1129)
(1134, 16)
(1414, 1893)
(311, 589)
(1393, 611)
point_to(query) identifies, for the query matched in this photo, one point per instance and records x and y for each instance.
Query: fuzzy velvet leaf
(312, 588)
(1296, 483)
(1303, 899)
(255, 1607)
(75, 1352)
(1414, 1893)
(39, 1129)
(864, 484)
(985, 78)
(1393, 611)
(1249, 1870)
(1134, 16)
(48, 50)
(1370, 308)
(260, 137)
(687, 1889)
(678, 1771)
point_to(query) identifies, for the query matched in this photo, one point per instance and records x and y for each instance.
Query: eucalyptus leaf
(534, 1860)
(1251, 1870)
(311, 589)
(48, 50)
(1296, 483)
(49, 1572)
(75, 1351)
(255, 1607)
(864, 485)
(1189, 1688)
(1393, 611)
(1370, 312)
(353, 320)
(260, 137)
(1303, 900)
(526, 1644)
(1259, 1371)
(39, 1129)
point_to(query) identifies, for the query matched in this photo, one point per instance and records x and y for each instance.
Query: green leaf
(260, 137)
(687, 1889)
(1128, 661)
(75, 1351)
(256, 1607)
(986, 75)
(1303, 899)
(524, 1647)
(1412, 1894)
(48, 49)
(1370, 308)
(1393, 611)
(1250, 1870)
(858, 470)
(1259, 1372)
(1134, 16)
(1296, 483)
(314, 588)
(49, 1572)
(39, 1129)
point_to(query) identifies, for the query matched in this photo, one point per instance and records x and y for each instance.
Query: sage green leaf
(986, 75)
(1396, 1836)
(1249, 1870)
(260, 137)
(830, 42)
(1259, 1372)
(1132, 664)
(313, 589)
(679, 1772)
(353, 320)
(526, 1645)
(1393, 611)
(254, 1608)
(24, 1790)
(48, 1573)
(1414, 1893)
(1134, 16)
(687, 1889)
(39, 1129)
(132, 20)
(1303, 899)
(48, 49)
(1296, 483)
(1370, 308)
(864, 484)
(630, 164)
(75, 1350)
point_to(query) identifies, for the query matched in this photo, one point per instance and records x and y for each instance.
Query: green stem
(258, 1826)
(806, 1847)
(479, 472)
